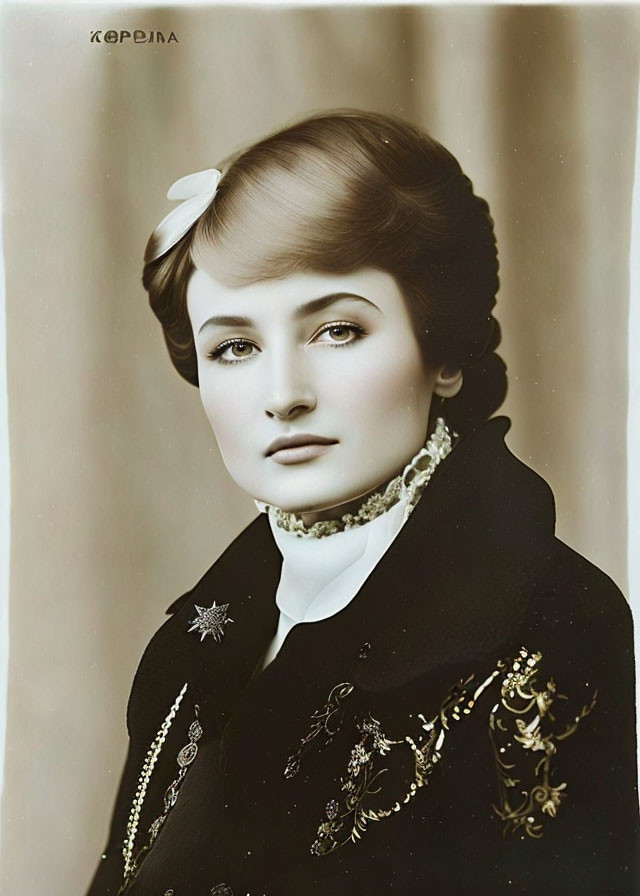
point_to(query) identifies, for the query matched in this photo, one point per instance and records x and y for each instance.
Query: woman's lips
(299, 455)
(298, 449)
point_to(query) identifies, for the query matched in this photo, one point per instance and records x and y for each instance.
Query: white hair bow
(196, 191)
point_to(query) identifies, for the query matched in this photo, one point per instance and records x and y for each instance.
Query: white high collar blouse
(320, 576)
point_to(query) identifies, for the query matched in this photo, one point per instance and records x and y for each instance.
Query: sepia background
(119, 498)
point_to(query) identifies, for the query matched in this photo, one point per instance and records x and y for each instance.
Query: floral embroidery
(529, 711)
(326, 720)
(346, 817)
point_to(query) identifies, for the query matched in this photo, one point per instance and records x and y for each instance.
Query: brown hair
(336, 192)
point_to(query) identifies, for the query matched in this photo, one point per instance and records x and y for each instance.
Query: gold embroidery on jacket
(346, 819)
(347, 816)
(325, 721)
(519, 724)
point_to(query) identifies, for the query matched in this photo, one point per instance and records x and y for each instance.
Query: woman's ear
(448, 382)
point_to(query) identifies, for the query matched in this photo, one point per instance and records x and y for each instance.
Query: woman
(396, 679)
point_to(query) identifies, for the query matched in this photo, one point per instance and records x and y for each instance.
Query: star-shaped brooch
(211, 621)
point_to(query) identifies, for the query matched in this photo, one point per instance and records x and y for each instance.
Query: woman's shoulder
(231, 573)
(222, 610)
(469, 612)
(495, 519)
(575, 607)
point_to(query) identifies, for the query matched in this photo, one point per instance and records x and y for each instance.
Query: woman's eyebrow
(315, 305)
(226, 320)
(311, 307)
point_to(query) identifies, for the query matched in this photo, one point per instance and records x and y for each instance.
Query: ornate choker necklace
(409, 486)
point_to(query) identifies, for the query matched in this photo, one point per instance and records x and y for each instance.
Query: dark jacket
(465, 725)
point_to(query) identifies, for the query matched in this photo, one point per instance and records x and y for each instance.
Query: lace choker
(408, 486)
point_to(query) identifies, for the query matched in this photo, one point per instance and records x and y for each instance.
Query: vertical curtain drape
(119, 497)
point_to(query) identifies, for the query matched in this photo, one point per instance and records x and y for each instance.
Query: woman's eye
(339, 334)
(232, 351)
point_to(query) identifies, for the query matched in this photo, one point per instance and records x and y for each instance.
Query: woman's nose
(289, 390)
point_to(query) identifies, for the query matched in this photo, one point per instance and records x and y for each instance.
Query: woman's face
(314, 384)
